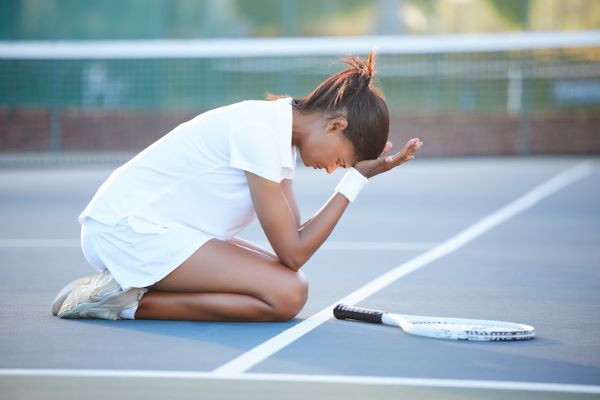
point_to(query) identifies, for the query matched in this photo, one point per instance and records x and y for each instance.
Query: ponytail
(357, 78)
(350, 93)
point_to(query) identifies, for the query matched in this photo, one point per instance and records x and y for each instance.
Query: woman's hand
(370, 168)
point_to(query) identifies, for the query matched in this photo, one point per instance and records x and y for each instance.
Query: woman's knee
(291, 297)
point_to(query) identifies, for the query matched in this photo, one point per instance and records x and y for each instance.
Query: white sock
(128, 313)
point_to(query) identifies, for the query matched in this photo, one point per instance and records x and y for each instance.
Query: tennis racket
(440, 328)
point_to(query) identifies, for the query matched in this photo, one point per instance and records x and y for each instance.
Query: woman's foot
(64, 293)
(112, 307)
(89, 294)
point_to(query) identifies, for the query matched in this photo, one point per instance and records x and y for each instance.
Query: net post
(55, 110)
(525, 134)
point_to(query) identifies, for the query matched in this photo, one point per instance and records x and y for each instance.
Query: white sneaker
(112, 307)
(62, 295)
(89, 294)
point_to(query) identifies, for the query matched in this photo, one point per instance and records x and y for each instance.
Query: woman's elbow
(294, 261)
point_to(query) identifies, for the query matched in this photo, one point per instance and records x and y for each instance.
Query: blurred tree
(296, 17)
(516, 12)
(148, 19)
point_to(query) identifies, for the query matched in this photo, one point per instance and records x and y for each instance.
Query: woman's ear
(337, 125)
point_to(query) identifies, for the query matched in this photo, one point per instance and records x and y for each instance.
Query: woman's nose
(331, 168)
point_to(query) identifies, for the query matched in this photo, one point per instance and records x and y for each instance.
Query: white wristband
(351, 184)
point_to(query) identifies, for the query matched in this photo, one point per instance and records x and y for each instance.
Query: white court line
(340, 245)
(259, 353)
(45, 243)
(338, 379)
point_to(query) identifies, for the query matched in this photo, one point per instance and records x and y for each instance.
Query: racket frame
(481, 330)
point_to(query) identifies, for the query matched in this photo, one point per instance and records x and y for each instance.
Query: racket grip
(342, 311)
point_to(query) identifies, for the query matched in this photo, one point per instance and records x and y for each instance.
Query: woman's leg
(222, 281)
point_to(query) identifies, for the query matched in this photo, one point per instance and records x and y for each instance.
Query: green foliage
(271, 16)
(150, 19)
(513, 11)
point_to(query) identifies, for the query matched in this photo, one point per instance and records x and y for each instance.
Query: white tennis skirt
(137, 253)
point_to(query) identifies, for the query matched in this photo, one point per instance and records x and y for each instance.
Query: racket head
(460, 328)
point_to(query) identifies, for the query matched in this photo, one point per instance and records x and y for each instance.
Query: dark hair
(350, 93)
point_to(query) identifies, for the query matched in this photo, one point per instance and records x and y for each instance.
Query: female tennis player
(162, 228)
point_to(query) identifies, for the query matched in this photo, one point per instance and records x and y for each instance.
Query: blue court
(514, 239)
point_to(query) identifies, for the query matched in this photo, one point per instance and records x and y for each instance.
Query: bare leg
(222, 281)
(204, 307)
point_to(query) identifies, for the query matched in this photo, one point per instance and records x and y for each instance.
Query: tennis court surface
(515, 239)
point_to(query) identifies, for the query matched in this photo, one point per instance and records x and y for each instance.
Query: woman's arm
(294, 245)
(288, 192)
(286, 186)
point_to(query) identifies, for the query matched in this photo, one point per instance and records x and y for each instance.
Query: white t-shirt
(195, 175)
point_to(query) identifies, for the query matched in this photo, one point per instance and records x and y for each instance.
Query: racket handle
(342, 311)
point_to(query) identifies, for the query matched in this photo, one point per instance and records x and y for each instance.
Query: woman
(162, 228)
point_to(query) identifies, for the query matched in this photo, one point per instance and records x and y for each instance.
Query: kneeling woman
(162, 228)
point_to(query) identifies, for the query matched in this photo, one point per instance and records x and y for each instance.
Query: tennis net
(486, 94)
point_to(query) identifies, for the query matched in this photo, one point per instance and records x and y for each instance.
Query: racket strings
(474, 328)
(479, 330)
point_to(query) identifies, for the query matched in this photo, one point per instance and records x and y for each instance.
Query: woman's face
(328, 148)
